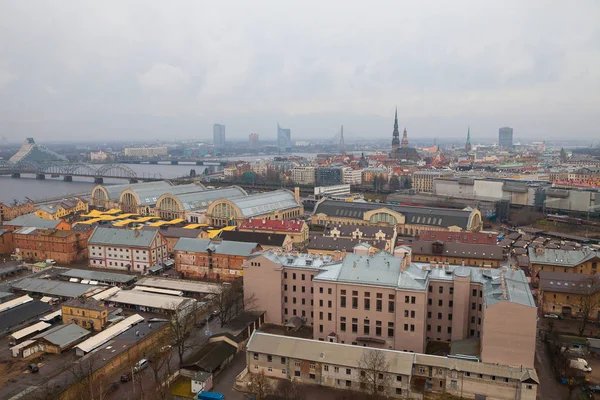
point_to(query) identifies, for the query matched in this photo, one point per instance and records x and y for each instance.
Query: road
(226, 380)
(549, 388)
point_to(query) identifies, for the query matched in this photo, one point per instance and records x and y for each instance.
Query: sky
(93, 70)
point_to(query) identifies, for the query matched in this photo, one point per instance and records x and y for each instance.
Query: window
(429, 302)
(441, 289)
(328, 316)
(293, 288)
(294, 275)
(398, 390)
(320, 303)
(430, 289)
(297, 363)
(390, 329)
(453, 384)
(407, 299)
(413, 300)
(474, 292)
(343, 324)
(296, 373)
(428, 328)
(449, 317)
(412, 328)
(348, 371)
(329, 291)
(379, 305)
(329, 303)
(398, 378)
(321, 290)
(256, 356)
(303, 289)
(367, 294)
(473, 306)
(312, 376)
(406, 327)
(354, 325)
(390, 306)
(441, 303)
(321, 315)
(336, 369)
(270, 369)
(405, 313)
(326, 368)
(348, 383)
(439, 329)
(312, 366)
(294, 300)
(450, 303)
(451, 289)
(449, 329)
(367, 330)
(269, 358)
(355, 302)
(367, 304)
(302, 276)
(343, 301)
(412, 314)
(428, 314)
(283, 360)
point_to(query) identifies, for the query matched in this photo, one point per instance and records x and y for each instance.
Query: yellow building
(85, 312)
(62, 209)
(581, 261)
(569, 294)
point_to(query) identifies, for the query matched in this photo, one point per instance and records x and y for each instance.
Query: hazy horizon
(147, 70)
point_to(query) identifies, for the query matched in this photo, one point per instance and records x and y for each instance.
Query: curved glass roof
(114, 191)
(201, 200)
(149, 195)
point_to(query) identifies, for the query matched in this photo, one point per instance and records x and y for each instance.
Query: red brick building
(62, 246)
(212, 259)
(460, 237)
(297, 230)
(6, 242)
(16, 208)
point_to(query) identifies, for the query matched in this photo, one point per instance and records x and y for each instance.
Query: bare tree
(374, 372)
(289, 390)
(88, 383)
(259, 386)
(589, 300)
(182, 321)
(160, 369)
(231, 301)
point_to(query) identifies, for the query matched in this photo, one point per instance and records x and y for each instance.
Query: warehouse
(189, 288)
(106, 335)
(149, 302)
(60, 338)
(103, 278)
(62, 290)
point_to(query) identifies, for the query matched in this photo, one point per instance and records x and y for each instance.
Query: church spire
(404, 139)
(468, 144)
(396, 134)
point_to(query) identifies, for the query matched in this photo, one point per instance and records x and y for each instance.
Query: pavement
(549, 387)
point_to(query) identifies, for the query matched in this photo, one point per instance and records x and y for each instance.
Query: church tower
(396, 135)
(468, 144)
(404, 144)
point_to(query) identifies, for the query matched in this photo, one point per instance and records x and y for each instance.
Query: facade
(253, 141)
(62, 209)
(339, 247)
(275, 205)
(388, 302)
(295, 229)
(98, 156)
(409, 375)
(303, 175)
(351, 176)
(62, 246)
(566, 293)
(409, 220)
(10, 211)
(128, 250)
(328, 176)
(422, 180)
(284, 139)
(460, 237)
(335, 191)
(505, 138)
(172, 234)
(145, 152)
(219, 135)
(400, 148)
(455, 253)
(365, 232)
(580, 261)
(86, 313)
(107, 196)
(142, 199)
(212, 259)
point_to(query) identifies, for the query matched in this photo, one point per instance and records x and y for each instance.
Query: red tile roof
(461, 237)
(272, 225)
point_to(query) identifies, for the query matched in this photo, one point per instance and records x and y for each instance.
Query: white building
(303, 175)
(145, 151)
(352, 176)
(333, 191)
(124, 249)
(98, 156)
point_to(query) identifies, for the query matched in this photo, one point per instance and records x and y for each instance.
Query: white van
(140, 365)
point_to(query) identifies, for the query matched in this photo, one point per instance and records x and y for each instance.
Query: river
(39, 190)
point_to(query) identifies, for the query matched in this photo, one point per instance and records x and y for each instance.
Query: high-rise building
(219, 135)
(253, 140)
(284, 139)
(505, 137)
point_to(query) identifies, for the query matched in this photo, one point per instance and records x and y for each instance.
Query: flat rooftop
(12, 319)
(98, 276)
(181, 284)
(54, 288)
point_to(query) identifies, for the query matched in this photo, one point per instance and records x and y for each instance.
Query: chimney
(297, 194)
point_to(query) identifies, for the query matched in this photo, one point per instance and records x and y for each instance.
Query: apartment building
(393, 303)
(303, 175)
(409, 375)
(86, 312)
(352, 176)
(580, 261)
(422, 180)
(124, 249)
(214, 259)
(145, 151)
(63, 246)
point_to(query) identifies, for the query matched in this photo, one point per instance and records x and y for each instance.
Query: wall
(6, 243)
(511, 343)
(263, 280)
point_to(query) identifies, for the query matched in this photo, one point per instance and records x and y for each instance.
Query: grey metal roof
(86, 304)
(342, 243)
(98, 276)
(32, 220)
(561, 258)
(566, 282)
(13, 318)
(122, 237)
(201, 200)
(264, 203)
(431, 216)
(64, 335)
(301, 260)
(114, 191)
(53, 288)
(149, 195)
(224, 247)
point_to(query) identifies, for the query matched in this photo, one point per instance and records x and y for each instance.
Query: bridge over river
(98, 172)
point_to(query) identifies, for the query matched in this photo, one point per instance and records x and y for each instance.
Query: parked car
(140, 365)
(126, 377)
(595, 388)
(553, 316)
(33, 368)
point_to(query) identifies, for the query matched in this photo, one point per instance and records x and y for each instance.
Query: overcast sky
(170, 69)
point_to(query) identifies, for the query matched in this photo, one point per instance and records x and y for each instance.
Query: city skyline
(500, 64)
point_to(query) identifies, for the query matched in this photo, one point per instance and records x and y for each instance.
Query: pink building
(388, 302)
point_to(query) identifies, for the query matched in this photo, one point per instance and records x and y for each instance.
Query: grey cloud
(85, 66)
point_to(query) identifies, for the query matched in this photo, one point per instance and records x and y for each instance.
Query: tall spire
(404, 139)
(468, 146)
(396, 134)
